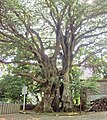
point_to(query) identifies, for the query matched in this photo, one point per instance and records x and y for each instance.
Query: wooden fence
(9, 108)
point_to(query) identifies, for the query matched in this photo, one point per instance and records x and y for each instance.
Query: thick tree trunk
(50, 95)
(83, 97)
(66, 93)
(47, 99)
(47, 103)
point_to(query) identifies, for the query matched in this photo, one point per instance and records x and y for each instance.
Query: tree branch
(31, 76)
(82, 45)
(88, 56)
(20, 62)
(91, 30)
(49, 22)
(94, 35)
(39, 38)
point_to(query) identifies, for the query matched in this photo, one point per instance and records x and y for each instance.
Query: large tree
(45, 33)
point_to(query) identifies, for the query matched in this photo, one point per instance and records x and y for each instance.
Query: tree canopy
(52, 35)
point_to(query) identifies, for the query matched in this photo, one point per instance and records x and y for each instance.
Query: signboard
(24, 90)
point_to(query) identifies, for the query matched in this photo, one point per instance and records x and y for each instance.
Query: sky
(90, 1)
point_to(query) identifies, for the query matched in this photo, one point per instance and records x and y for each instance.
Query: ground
(88, 116)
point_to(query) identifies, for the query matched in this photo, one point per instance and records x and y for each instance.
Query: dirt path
(89, 116)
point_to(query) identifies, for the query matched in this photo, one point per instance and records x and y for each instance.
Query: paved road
(89, 116)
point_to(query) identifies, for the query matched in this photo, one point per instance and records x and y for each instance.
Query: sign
(24, 90)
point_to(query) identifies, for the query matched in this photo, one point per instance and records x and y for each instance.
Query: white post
(24, 92)
(24, 103)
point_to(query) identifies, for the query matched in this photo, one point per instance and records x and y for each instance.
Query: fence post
(9, 108)
(0, 108)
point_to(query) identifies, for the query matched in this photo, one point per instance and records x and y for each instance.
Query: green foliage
(11, 88)
(74, 17)
(77, 84)
(11, 83)
(91, 83)
(98, 64)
